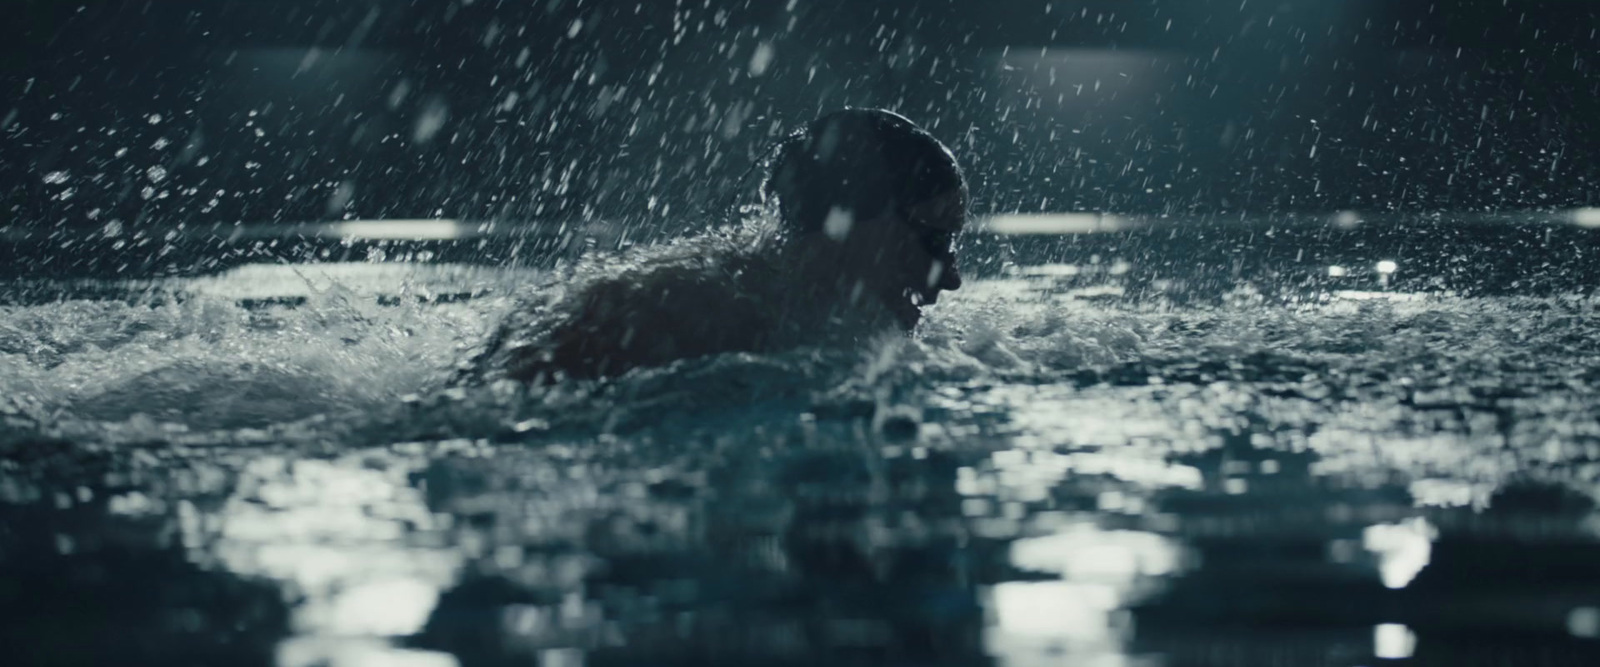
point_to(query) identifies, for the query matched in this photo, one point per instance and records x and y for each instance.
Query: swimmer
(868, 207)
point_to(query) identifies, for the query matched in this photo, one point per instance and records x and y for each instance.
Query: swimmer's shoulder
(675, 301)
(655, 316)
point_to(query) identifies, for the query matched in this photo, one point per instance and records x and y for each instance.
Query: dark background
(147, 115)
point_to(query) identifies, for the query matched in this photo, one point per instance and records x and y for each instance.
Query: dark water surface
(263, 468)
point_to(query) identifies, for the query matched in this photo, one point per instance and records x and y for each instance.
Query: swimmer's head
(888, 194)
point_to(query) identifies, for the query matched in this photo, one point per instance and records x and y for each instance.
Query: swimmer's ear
(779, 158)
(785, 167)
(778, 151)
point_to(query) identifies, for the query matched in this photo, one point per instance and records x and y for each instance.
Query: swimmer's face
(909, 258)
(932, 263)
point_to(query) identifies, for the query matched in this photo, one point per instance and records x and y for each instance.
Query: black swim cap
(863, 161)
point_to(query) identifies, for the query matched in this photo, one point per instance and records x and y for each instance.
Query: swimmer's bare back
(632, 321)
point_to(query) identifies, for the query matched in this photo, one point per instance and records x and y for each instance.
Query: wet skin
(858, 278)
(906, 261)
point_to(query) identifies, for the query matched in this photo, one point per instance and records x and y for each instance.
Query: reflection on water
(1393, 641)
(1081, 610)
(1042, 478)
(1402, 549)
(349, 541)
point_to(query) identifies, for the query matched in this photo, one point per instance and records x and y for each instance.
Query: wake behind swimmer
(868, 209)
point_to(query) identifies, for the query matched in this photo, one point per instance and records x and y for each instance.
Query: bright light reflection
(1029, 475)
(1387, 267)
(1086, 552)
(1053, 270)
(1392, 641)
(1082, 613)
(1584, 622)
(1337, 272)
(1445, 493)
(1586, 217)
(1075, 612)
(1403, 549)
(390, 608)
(336, 534)
(323, 652)
(420, 230)
(1055, 223)
(1057, 622)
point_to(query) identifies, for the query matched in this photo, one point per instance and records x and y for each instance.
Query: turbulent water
(268, 467)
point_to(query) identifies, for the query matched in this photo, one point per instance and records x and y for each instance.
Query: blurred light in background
(1584, 622)
(1392, 641)
(1055, 223)
(1403, 549)
(1586, 217)
(1346, 219)
(355, 652)
(1083, 613)
(441, 230)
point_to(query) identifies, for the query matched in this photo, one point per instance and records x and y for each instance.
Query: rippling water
(265, 467)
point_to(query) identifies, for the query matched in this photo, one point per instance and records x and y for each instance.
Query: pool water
(268, 466)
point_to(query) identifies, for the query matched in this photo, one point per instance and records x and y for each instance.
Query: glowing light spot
(388, 608)
(1392, 641)
(397, 229)
(1586, 217)
(1403, 549)
(1054, 270)
(1387, 267)
(1346, 219)
(1085, 552)
(355, 652)
(1443, 493)
(1338, 272)
(1058, 609)
(1055, 223)
(1584, 622)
